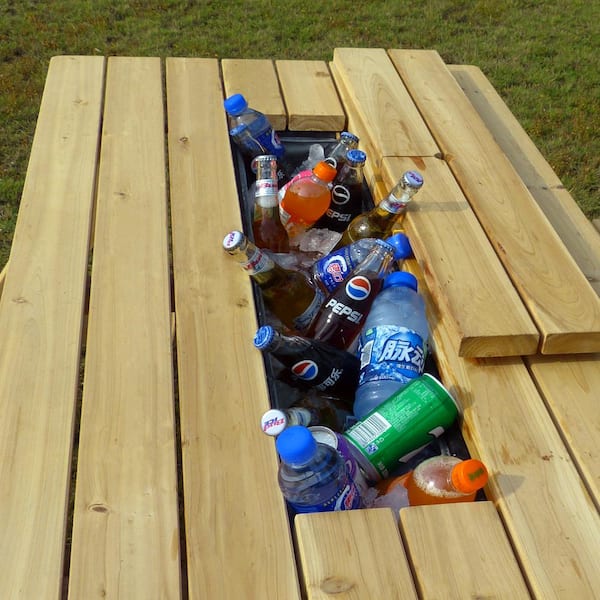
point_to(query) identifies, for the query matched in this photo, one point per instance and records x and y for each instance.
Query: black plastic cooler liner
(297, 146)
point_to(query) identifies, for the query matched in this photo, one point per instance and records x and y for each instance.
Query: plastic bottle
(343, 312)
(337, 155)
(346, 193)
(445, 479)
(306, 199)
(331, 270)
(312, 363)
(265, 139)
(379, 221)
(313, 476)
(393, 342)
(287, 294)
(267, 228)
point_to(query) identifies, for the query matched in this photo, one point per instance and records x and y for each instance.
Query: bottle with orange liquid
(307, 199)
(445, 479)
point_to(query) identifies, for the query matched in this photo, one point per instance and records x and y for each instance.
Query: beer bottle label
(258, 262)
(392, 205)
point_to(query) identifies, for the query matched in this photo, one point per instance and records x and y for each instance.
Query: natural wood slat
(125, 523)
(552, 522)
(383, 104)
(570, 385)
(461, 551)
(41, 312)
(564, 305)
(574, 228)
(310, 96)
(257, 80)
(353, 554)
(464, 274)
(237, 533)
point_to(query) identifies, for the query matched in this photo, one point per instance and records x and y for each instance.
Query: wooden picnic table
(131, 461)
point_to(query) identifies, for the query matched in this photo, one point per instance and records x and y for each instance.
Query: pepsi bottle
(331, 270)
(342, 314)
(312, 364)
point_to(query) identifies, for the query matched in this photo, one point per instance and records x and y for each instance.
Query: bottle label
(266, 193)
(347, 498)
(392, 204)
(391, 353)
(331, 270)
(258, 262)
(270, 141)
(301, 322)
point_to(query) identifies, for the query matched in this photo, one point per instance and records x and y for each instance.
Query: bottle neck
(287, 345)
(376, 262)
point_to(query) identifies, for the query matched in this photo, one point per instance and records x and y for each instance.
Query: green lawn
(542, 57)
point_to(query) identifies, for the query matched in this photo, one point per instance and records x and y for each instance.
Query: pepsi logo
(340, 195)
(358, 288)
(305, 369)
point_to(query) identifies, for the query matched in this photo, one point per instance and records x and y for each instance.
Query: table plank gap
(125, 524)
(41, 316)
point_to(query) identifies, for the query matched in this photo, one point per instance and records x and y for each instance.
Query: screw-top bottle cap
(235, 104)
(296, 445)
(324, 171)
(402, 245)
(356, 157)
(263, 337)
(273, 422)
(400, 278)
(469, 476)
(232, 240)
(346, 135)
(413, 179)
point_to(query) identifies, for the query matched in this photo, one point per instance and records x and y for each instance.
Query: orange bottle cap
(324, 171)
(469, 476)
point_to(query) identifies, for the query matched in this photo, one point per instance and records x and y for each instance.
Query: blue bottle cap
(235, 104)
(401, 244)
(263, 337)
(296, 445)
(356, 157)
(400, 278)
(413, 178)
(346, 135)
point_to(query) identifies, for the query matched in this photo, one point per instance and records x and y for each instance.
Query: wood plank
(562, 302)
(464, 275)
(353, 554)
(550, 518)
(235, 515)
(257, 80)
(310, 96)
(574, 228)
(376, 93)
(125, 523)
(41, 312)
(570, 385)
(461, 551)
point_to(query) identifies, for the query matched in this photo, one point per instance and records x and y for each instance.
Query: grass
(540, 55)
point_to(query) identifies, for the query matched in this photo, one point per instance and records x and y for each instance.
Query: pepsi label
(331, 270)
(306, 370)
(269, 140)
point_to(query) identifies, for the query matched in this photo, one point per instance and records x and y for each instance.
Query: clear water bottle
(313, 476)
(331, 270)
(259, 137)
(392, 343)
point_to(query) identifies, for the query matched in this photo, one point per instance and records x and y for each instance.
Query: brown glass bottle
(267, 229)
(287, 294)
(379, 221)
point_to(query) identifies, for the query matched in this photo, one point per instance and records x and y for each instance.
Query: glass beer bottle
(287, 294)
(267, 228)
(379, 221)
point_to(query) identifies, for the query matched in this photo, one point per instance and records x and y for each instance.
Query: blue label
(334, 268)
(269, 140)
(392, 353)
(347, 498)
